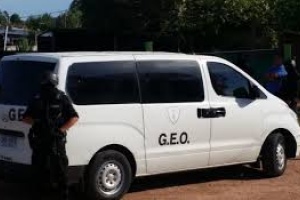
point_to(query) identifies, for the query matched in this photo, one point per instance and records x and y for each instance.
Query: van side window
(170, 81)
(103, 83)
(228, 82)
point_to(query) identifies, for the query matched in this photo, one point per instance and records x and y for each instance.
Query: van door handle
(211, 112)
(219, 112)
(204, 113)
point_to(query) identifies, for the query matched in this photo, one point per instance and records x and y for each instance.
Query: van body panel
(14, 145)
(17, 150)
(106, 125)
(238, 136)
(162, 137)
(174, 131)
(235, 138)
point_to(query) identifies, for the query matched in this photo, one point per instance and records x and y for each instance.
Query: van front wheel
(274, 158)
(109, 176)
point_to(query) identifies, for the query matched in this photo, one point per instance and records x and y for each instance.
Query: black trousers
(49, 166)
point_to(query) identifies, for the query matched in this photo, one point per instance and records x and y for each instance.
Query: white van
(148, 113)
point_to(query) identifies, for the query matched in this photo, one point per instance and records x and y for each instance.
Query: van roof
(55, 56)
(104, 53)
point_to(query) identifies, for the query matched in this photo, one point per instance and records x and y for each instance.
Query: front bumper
(14, 172)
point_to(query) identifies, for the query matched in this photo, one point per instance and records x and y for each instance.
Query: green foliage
(199, 13)
(130, 16)
(211, 20)
(41, 23)
(76, 5)
(23, 45)
(71, 19)
(15, 19)
(228, 23)
(3, 17)
(231, 23)
(109, 15)
(287, 14)
(162, 16)
(74, 18)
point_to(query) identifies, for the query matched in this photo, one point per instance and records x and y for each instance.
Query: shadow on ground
(195, 177)
(12, 191)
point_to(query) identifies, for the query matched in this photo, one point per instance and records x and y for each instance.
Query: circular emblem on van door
(174, 114)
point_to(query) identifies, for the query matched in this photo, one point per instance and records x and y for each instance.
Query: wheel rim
(280, 156)
(110, 178)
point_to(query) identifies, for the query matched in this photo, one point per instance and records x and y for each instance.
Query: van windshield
(20, 80)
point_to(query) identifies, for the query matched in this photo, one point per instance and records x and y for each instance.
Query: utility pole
(6, 33)
(36, 38)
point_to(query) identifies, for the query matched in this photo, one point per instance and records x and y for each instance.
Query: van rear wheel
(109, 176)
(274, 158)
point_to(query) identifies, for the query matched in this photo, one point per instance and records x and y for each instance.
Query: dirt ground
(232, 183)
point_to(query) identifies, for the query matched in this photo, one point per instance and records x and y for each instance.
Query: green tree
(61, 22)
(41, 23)
(76, 5)
(199, 13)
(287, 15)
(23, 45)
(71, 19)
(74, 18)
(231, 22)
(15, 19)
(47, 22)
(225, 23)
(161, 16)
(130, 16)
(33, 23)
(111, 16)
(3, 17)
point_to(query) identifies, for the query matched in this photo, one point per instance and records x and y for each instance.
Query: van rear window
(20, 80)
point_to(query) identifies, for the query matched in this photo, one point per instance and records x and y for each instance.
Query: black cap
(49, 78)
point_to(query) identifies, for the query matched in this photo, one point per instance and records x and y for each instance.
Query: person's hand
(62, 130)
(271, 76)
(275, 76)
(268, 77)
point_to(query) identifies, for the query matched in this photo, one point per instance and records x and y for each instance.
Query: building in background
(14, 36)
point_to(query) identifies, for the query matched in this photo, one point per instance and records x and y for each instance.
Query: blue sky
(33, 7)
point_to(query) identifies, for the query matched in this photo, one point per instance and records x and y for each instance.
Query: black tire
(274, 158)
(108, 165)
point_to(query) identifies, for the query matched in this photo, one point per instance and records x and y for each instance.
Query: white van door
(173, 96)
(105, 94)
(237, 123)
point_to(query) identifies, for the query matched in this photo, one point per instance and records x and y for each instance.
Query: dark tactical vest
(45, 132)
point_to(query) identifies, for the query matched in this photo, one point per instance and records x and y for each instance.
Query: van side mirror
(254, 92)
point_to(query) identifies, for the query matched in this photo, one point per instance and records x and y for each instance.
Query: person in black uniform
(290, 84)
(51, 114)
